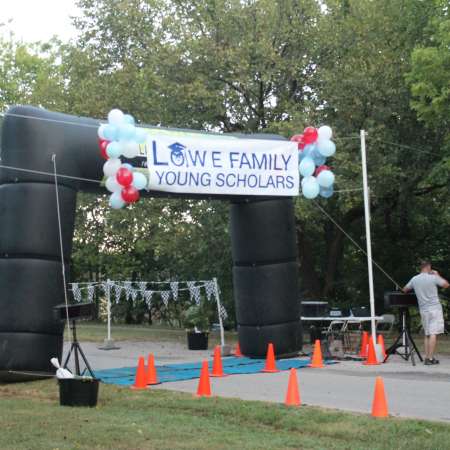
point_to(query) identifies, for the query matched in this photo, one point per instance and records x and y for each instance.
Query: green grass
(96, 332)
(31, 418)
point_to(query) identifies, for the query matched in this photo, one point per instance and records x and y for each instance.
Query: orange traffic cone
(270, 366)
(140, 381)
(379, 405)
(152, 377)
(292, 394)
(204, 386)
(237, 352)
(364, 343)
(380, 342)
(316, 361)
(217, 370)
(371, 356)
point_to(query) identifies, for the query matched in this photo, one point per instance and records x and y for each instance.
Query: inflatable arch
(263, 237)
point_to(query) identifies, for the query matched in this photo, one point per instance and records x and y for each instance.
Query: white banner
(211, 164)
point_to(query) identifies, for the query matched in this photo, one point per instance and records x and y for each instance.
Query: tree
(29, 74)
(430, 76)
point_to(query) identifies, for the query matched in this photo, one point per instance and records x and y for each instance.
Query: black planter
(197, 341)
(78, 392)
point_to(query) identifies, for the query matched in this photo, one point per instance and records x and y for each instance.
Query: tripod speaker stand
(78, 311)
(404, 340)
(76, 350)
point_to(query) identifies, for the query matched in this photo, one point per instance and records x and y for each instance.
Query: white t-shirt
(425, 287)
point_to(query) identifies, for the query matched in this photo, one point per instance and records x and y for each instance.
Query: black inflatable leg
(31, 281)
(265, 277)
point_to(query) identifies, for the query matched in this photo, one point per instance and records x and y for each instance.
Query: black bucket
(197, 341)
(78, 391)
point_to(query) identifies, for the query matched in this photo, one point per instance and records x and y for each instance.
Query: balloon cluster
(315, 146)
(120, 137)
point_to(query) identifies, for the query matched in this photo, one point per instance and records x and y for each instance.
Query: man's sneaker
(431, 362)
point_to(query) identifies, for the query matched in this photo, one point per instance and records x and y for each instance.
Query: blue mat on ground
(124, 376)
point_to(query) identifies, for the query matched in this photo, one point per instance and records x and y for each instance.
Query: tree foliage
(268, 67)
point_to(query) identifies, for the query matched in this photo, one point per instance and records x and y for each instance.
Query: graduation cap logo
(177, 150)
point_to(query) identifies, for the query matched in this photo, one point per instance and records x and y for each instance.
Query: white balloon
(100, 131)
(116, 201)
(139, 180)
(130, 149)
(115, 117)
(112, 185)
(111, 167)
(325, 132)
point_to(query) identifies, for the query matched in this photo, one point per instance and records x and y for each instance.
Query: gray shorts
(433, 321)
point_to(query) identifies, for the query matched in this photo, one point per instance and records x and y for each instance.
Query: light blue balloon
(311, 189)
(129, 119)
(326, 192)
(140, 135)
(309, 150)
(319, 159)
(110, 133)
(114, 149)
(116, 201)
(325, 178)
(307, 167)
(301, 156)
(326, 147)
(127, 166)
(126, 132)
(139, 180)
(308, 180)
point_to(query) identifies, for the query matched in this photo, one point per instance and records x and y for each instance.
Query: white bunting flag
(165, 295)
(76, 292)
(148, 297)
(117, 292)
(223, 312)
(209, 289)
(174, 287)
(91, 290)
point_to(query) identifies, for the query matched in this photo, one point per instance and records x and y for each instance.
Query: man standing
(425, 287)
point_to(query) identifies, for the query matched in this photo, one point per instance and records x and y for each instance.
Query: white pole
(108, 343)
(108, 299)
(222, 332)
(368, 235)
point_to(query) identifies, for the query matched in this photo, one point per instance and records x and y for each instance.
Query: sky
(34, 20)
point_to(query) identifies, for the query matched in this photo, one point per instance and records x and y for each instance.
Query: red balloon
(124, 176)
(310, 135)
(320, 169)
(300, 139)
(102, 144)
(130, 194)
